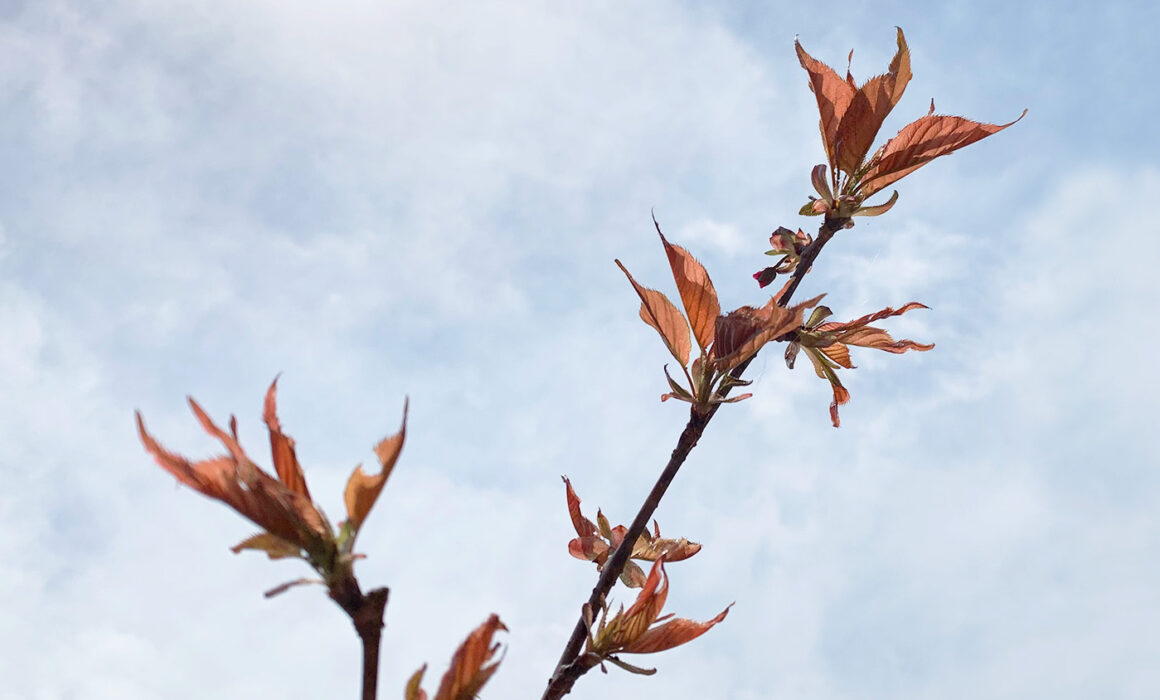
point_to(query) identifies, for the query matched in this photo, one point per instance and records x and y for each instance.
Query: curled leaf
(657, 311)
(632, 576)
(590, 548)
(275, 547)
(583, 526)
(877, 209)
(631, 631)
(673, 633)
(281, 445)
(814, 207)
(828, 346)
(362, 489)
(821, 186)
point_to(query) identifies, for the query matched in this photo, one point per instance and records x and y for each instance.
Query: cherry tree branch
(571, 665)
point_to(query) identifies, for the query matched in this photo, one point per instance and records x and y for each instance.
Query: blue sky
(382, 200)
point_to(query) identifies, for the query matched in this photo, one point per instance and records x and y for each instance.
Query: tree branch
(571, 665)
(366, 612)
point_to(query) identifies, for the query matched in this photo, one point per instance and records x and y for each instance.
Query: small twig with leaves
(850, 119)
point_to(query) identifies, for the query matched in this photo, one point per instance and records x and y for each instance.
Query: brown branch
(571, 665)
(366, 612)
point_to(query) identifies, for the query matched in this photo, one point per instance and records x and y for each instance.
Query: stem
(569, 668)
(825, 232)
(366, 612)
(571, 665)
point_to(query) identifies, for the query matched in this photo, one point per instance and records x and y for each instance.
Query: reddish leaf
(473, 664)
(859, 332)
(747, 330)
(839, 353)
(920, 142)
(821, 185)
(827, 346)
(282, 446)
(880, 340)
(868, 109)
(240, 484)
(651, 549)
(833, 96)
(884, 313)
(765, 277)
(851, 116)
(657, 311)
(647, 606)
(615, 535)
(362, 489)
(631, 630)
(671, 634)
(589, 548)
(841, 396)
(697, 293)
(584, 526)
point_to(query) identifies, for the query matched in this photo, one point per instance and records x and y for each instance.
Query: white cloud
(722, 236)
(397, 199)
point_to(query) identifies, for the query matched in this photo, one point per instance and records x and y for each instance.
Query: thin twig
(570, 666)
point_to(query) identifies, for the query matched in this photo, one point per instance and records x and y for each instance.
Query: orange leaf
(841, 396)
(920, 142)
(859, 332)
(657, 311)
(879, 340)
(240, 484)
(362, 489)
(671, 634)
(884, 313)
(839, 353)
(651, 599)
(833, 95)
(670, 550)
(472, 665)
(210, 477)
(824, 371)
(696, 289)
(282, 447)
(584, 526)
(868, 108)
(615, 535)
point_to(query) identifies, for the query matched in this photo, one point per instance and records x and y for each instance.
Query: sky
(425, 199)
